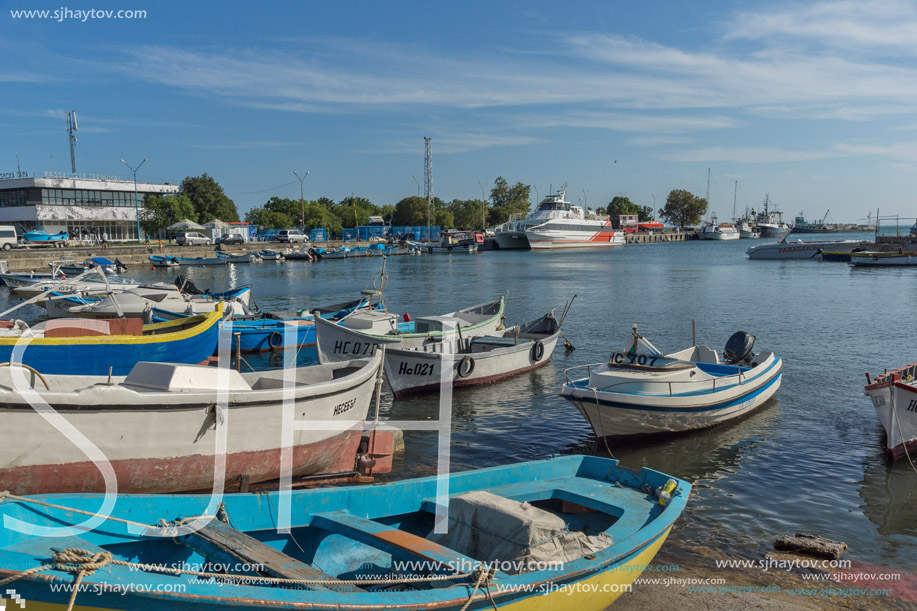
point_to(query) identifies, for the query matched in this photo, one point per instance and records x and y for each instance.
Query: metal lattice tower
(71, 127)
(428, 181)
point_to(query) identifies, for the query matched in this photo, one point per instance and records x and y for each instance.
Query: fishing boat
(770, 222)
(451, 242)
(569, 532)
(638, 394)
(154, 302)
(883, 259)
(747, 229)
(92, 282)
(474, 360)
(894, 395)
(270, 255)
(164, 261)
(201, 260)
(800, 225)
(340, 253)
(160, 426)
(714, 230)
(798, 249)
(232, 257)
(364, 331)
(15, 280)
(100, 347)
(70, 267)
(303, 253)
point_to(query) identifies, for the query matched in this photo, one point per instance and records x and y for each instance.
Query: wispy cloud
(228, 146)
(749, 155)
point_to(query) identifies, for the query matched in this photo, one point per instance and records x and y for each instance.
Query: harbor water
(811, 460)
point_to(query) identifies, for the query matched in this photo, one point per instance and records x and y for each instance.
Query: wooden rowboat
(571, 532)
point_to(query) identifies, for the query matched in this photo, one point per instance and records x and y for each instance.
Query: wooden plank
(221, 539)
(387, 538)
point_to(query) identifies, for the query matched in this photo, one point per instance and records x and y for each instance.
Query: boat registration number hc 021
(420, 369)
(620, 358)
(343, 407)
(355, 348)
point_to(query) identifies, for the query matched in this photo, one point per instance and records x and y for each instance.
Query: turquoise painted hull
(350, 533)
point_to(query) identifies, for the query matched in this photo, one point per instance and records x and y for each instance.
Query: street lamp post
(301, 201)
(136, 199)
(483, 207)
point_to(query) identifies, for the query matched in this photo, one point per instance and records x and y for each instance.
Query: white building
(78, 205)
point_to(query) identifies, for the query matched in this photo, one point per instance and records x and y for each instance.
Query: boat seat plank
(221, 538)
(380, 535)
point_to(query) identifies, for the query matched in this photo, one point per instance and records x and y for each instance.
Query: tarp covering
(491, 528)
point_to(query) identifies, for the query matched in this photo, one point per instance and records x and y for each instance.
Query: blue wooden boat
(85, 347)
(586, 530)
(164, 261)
(270, 255)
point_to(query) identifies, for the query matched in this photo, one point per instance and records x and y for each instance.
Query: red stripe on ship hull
(186, 473)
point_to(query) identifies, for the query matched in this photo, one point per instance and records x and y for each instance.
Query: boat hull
(799, 250)
(270, 335)
(895, 402)
(411, 371)
(883, 259)
(192, 342)
(161, 441)
(540, 239)
(512, 240)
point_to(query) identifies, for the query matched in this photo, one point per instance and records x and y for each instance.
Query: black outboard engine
(186, 286)
(315, 254)
(119, 267)
(739, 347)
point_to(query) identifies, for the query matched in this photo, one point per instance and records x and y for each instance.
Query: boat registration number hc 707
(620, 358)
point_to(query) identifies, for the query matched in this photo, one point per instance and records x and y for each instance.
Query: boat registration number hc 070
(620, 358)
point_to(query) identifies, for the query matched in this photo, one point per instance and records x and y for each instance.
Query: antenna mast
(71, 127)
(428, 181)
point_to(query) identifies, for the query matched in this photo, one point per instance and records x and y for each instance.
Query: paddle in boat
(362, 332)
(637, 394)
(569, 532)
(164, 426)
(472, 360)
(894, 395)
(100, 347)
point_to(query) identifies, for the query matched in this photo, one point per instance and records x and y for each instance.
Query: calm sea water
(810, 460)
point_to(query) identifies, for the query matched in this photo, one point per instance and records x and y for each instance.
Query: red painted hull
(189, 473)
(898, 452)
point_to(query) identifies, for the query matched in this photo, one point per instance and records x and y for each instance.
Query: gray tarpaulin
(490, 528)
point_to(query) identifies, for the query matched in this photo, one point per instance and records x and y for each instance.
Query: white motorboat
(453, 242)
(883, 259)
(798, 249)
(560, 224)
(511, 234)
(363, 331)
(474, 360)
(894, 395)
(93, 282)
(636, 394)
(770, 222)
(712, 230)
(159, 426)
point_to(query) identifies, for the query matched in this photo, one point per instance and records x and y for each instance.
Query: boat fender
(466, 366)
(537, 350)
(275, 340)
(450, 249)
(430, 249)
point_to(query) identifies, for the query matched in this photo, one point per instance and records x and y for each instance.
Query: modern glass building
(80, 206)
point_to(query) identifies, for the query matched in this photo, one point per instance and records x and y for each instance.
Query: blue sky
(811, 102)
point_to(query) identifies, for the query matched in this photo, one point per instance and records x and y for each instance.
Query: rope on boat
(5, 494)
(483, 577)
(900, 430)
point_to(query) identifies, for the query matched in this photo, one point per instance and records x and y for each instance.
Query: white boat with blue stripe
(639, 394)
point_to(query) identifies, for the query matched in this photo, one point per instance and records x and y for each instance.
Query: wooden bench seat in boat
(218, 541)
(496, 341)
(389, 539)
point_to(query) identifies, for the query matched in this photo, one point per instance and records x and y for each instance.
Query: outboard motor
(186, 286)
(120, 266)
(739, 346)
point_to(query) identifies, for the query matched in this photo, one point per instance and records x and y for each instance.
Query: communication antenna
(428, 181)
(71, 127)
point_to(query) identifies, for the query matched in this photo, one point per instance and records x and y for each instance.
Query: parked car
(232, 238)
(8, 237)
(192, 238)
(291, 235)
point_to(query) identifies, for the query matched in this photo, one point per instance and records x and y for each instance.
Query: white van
(8, 238)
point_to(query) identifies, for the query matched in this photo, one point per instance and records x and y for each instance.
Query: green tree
(268, 219)
(318, 215)
(159, 212)
(507, 200)
(646, 214)
(410, 211)
(208, 199)
(466, 213)
(355, 211)
(682, 208)
(621, 205)
(284, 205)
